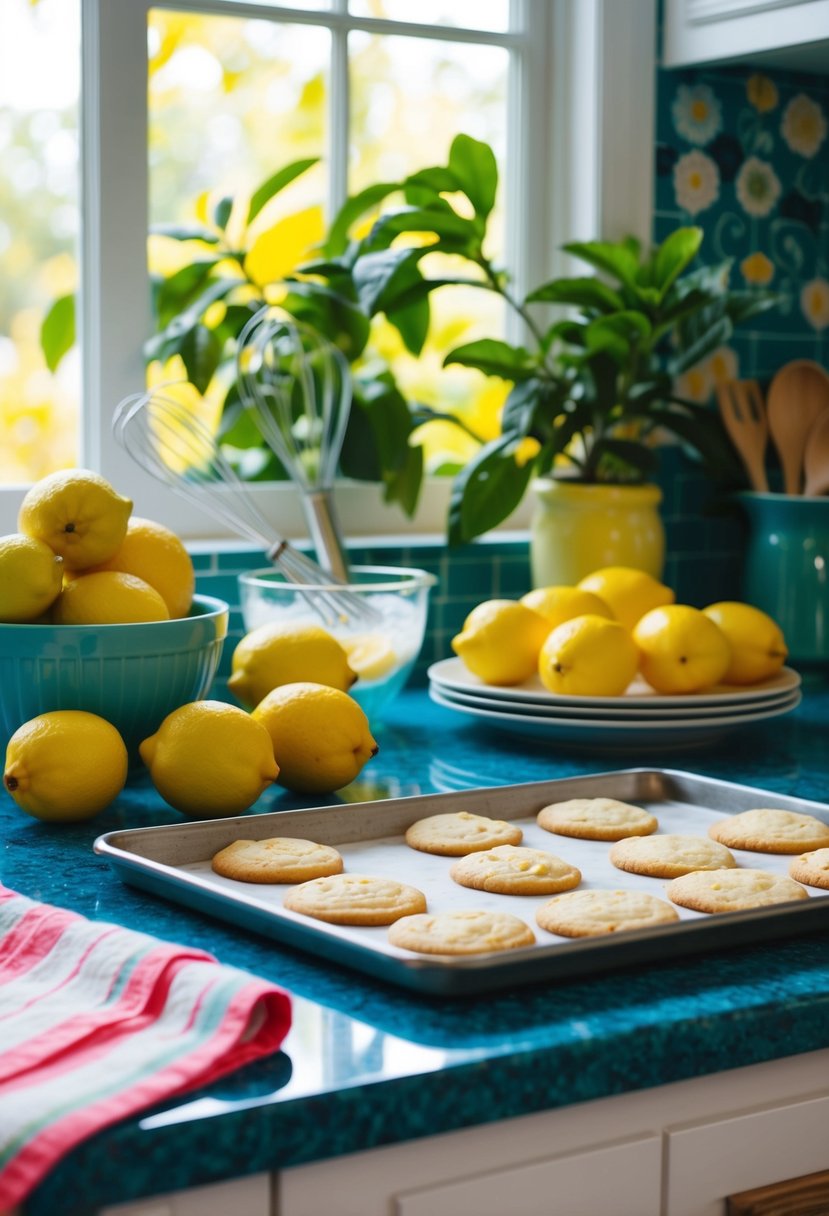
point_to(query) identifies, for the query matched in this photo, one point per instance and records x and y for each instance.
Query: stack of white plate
(641, 717)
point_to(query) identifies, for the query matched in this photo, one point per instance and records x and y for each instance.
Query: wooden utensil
(744, 416)
(797, 396)
(816, 458)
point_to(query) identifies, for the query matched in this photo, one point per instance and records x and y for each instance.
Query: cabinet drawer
(241, 1196)
(708, 1162)
(622, 1178)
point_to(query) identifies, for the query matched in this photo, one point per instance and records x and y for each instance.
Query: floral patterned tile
(745, 154)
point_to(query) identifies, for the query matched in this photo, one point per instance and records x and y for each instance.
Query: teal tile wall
(703, 532)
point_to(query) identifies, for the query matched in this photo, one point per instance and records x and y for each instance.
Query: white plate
(453, 675)
(608, 733)
(630, 713)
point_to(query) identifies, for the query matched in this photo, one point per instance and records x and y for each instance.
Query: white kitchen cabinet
(240, 1197)
(686, 1147)
(781, 33)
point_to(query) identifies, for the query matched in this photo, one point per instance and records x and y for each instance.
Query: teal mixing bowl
(132, 675)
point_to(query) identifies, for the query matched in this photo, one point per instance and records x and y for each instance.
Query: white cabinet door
(240, 1197)
(790, 32)
(708, 1161)
(623, 1179)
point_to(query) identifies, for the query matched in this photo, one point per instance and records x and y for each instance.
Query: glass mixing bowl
(389, 645)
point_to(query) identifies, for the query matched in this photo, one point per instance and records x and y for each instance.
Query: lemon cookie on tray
(766, 830)
(733, 890)
(355, 899)
(669, 856)
(459, 833)
(465, 931)
(596, 819)
(511, 870)
(279, 859)
(595, 913)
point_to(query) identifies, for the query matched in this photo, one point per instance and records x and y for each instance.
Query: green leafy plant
(592, 381)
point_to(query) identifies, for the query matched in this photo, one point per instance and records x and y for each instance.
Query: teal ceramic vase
(786, 570)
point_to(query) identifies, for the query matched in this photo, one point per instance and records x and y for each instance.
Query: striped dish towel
(99, 1022)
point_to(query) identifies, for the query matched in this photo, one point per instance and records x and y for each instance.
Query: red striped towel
(98, 1022)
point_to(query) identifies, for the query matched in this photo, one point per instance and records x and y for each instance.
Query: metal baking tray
(173, 861)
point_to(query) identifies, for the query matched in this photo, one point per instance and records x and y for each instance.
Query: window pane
(230, 102)
(484, 15)
(39, 83)
(410, 97)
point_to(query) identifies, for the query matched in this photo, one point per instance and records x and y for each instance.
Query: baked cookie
(731, 890)
(669, 856)
(596, 819)
(812, 868)
(355, 899)
(459, 833)
(771, 831)
(277, 859)
(593, 913)
(508, 870)
(468, 931)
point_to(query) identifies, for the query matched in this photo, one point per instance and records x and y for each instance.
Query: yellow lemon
(500, 641)
(682, 650)
(628, 593)
(588, 656)
(77, 514)
(65, 766)
(209, 759)
(31, 576)
(154, 553)
(320, 736)
(758, 648)
(276, 654)
(371, 656)
(108, 598)
(560, 604)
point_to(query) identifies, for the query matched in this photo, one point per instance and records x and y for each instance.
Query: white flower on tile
(758, 187)
(696, 182)
(804, 126)
(697, 113)
(814, 300)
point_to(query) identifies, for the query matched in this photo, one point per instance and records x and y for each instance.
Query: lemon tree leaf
(57, 333)
(475, 168)
(494, 358)
(488, 489)
(279, 181)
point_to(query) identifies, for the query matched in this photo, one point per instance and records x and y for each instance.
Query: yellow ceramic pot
(579, 528)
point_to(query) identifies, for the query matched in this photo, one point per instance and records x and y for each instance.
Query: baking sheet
(173, 861)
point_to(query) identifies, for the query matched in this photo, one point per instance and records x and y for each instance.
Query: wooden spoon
(816, 458)
(744, 418)
(797, 396)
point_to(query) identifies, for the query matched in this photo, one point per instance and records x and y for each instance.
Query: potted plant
(593, 382)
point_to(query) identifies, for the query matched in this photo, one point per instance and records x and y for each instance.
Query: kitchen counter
(367, 1064)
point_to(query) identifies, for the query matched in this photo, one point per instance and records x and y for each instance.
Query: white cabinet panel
(240, 1197)
(788, 33)
(709, 1161)
(623, 1178)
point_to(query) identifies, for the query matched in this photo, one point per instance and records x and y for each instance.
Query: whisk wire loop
(166, 439)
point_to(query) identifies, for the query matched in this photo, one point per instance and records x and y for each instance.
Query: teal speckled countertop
(361, 1052)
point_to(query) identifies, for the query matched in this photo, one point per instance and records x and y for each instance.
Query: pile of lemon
(80, 557)
(593, 639)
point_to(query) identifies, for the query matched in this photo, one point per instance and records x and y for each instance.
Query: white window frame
(580, 152)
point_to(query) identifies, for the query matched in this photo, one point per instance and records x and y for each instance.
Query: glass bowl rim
(409, 579)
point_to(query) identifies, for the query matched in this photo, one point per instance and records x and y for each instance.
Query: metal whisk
(172, 445)
(297, 385)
